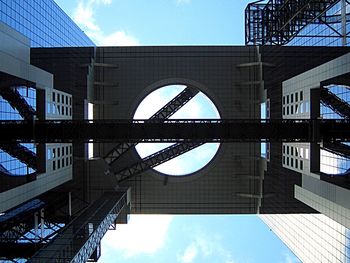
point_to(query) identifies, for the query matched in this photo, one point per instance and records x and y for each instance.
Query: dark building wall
(126, 75)
(215, 71)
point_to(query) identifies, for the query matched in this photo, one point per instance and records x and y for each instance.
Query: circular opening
(199, 107)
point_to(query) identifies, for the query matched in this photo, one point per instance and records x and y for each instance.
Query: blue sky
(182, 239)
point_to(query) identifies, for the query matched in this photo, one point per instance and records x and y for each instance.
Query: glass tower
(315, 237)
(43, 22)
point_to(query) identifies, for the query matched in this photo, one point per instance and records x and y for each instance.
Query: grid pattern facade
(58, 156)
(58, 105)
(295, 156)
(43, 22)
(329, 31)
(294, 104)
(312, 237)
(9, 163)
(332, 163)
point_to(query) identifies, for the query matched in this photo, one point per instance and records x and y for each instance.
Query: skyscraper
(115, 80)
(324, 236)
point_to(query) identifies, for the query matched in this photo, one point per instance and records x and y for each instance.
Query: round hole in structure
(198, 107)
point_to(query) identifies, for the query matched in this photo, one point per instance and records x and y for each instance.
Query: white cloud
(144, 234)
(84, 16)
(119, 38)
(189, 254)
(205, 246)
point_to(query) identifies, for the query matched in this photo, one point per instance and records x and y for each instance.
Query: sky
(169, 238)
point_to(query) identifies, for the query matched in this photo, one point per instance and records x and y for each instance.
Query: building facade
(322, 167)
(58, 83)
(44, 23)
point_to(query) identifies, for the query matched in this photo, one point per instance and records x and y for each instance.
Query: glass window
(291, 109)
(283, 159)
(58, 152)
(53, 153)
(291, 162)
(291, 98)
(287, 99)
(296, 97)
(53, 96)
(284, 100)
(287, 160)
(287, 149)
(58, 164)
(301, 95)
(54, 165)
(301, 165)
(296, 163)
(291, 150)
(284, 149)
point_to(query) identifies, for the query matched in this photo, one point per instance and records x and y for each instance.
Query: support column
(343, 22)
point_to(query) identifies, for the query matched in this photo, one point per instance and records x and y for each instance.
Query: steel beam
(81, 237)
(332, 101)
(337, 148)
(176, 130)
(279, 21)
(18, 102)
(21, 153)
(155, 159)
(164, 113)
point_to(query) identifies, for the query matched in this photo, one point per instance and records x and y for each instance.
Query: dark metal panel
(176, 130)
